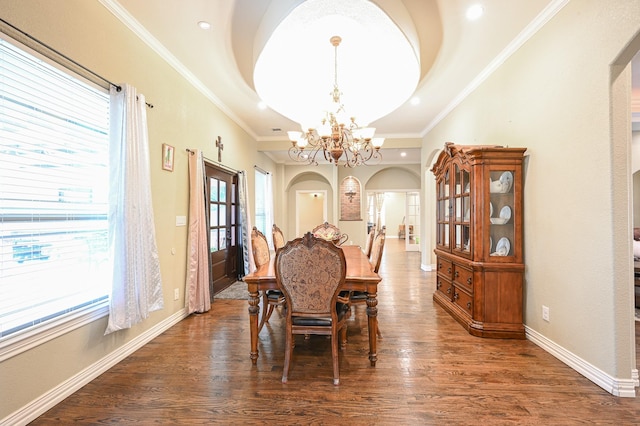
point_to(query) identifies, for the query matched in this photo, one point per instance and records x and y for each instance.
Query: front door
(222, 196)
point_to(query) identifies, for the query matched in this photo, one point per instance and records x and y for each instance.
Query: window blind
(54, 183)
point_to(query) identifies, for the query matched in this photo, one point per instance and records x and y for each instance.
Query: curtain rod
(62, 55)
(215, 163)
(261, 170)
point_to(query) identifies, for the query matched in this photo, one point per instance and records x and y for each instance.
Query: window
(54, 187)
(264, 215)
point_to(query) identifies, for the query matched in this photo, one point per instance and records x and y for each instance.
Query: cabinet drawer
(462, 299)
(445, 287)
(464, 277)
(445, 268)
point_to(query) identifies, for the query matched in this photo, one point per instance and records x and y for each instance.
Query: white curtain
(268, 201)
(136, 283)
(379, 206)
(245, 223)
(198, 298)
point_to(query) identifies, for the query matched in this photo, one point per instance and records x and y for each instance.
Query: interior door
(222, 196)
(412, 212)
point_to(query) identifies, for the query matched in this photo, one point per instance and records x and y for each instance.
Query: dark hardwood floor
(429, 371)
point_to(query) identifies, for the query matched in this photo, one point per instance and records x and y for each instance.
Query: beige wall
(183, 117)
(555, 97)
(552, 96)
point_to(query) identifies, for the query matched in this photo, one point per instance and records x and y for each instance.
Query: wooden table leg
(372, 315)
(254, 308)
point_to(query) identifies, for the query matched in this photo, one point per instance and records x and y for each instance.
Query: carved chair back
(377, 248)
(278, 237)
(330, 232)
(259, 247)
(369, 243)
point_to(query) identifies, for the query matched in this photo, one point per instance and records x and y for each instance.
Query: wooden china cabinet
(480, 269)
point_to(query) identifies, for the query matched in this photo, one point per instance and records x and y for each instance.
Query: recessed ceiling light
(204, 25)
(403, 154)
(415, 100)
(475, 12)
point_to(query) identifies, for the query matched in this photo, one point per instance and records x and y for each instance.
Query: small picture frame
(167, 157)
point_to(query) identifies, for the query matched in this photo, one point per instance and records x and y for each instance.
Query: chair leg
(288, 348)
(343, 337)
(334, 356)
(267, 310)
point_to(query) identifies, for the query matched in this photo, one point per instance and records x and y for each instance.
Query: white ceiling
(455, 54)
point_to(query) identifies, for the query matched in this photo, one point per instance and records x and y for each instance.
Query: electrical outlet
(545, 313)
(176, 294)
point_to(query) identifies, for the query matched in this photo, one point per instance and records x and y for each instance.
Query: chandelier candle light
(339, 142)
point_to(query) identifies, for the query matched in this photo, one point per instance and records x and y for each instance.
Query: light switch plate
(181, 220)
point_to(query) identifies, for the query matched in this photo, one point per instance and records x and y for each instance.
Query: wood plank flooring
(429, 371)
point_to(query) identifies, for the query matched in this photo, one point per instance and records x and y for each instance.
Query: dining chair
(375, 259)
(369, 243)
(261, 256)
(310, 272)
(278, 237)
(330, 232)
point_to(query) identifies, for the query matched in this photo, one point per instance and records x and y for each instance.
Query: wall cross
(220, 147)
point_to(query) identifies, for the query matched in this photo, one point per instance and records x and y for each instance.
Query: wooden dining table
(359, 277)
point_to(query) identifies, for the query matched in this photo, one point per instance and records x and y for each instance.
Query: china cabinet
(479, 221)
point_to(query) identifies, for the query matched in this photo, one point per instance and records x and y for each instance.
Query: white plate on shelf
(507, 180)
(490, 209)
(505, 213)
(502, 248)
(490, 244)
(498, 220)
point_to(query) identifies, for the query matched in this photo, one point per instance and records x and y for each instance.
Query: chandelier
(338, 137)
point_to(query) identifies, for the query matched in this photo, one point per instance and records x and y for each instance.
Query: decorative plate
(503, 247)
(505, 212)
(507, 180)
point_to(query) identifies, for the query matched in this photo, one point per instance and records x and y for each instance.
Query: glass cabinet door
(502, 214)
(462, 210)
(443, 210)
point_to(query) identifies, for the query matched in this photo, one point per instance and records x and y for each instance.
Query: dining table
(360, 276)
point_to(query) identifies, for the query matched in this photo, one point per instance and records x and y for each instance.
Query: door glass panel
(223, 215)
(213, 240)
(223, 240)
(213, 189)
(458, 177)
(223, 191)
(213, 215)
(233, 235)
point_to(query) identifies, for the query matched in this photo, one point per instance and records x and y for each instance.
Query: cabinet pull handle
(469, 280)
(449, 270)
(440, 265)
(449, 290)
(469, 305)
(456, 296)
(439, 284)
(457, 274)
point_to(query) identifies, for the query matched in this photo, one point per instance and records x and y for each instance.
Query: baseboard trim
(613, 385)
(39, 406)
(428, 268)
